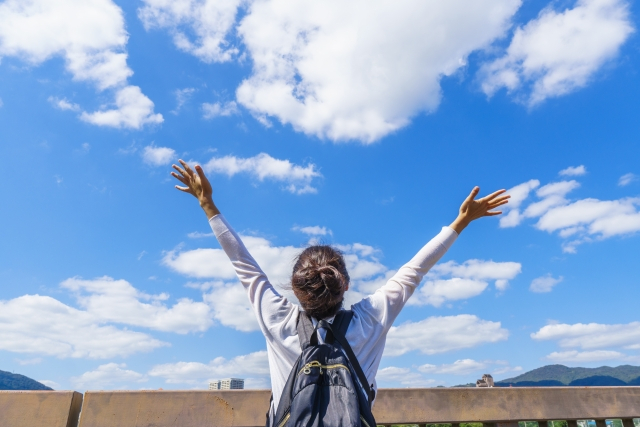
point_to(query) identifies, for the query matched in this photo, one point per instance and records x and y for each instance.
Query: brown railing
(246, 408)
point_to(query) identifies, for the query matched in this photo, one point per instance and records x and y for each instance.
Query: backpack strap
(338, 333)
(305, 329)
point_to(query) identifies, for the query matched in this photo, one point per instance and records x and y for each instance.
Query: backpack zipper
(306, 369)
(361, 419)
(286, 418)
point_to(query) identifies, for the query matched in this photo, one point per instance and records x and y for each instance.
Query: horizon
(364, 127)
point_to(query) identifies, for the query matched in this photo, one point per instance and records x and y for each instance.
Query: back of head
(319, 280)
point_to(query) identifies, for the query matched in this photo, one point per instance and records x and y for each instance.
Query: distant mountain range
(560, 375)
(9, 381)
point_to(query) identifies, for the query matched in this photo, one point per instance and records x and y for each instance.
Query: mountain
(560, 375)
(9, 381)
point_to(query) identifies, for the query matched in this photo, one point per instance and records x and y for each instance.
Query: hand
(197, 185)
(472, 209)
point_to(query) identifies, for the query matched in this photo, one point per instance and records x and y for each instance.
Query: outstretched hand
(473, 209)
(196, 184)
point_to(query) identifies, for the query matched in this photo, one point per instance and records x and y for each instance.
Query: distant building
(486, 381)
(227, 384)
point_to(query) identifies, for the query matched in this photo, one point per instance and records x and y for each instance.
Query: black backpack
(326, 387)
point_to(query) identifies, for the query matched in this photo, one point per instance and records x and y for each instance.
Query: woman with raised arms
(319, 281)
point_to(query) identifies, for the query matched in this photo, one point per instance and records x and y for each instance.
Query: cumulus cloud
(575, 356)
(133, 110)
(339, 70)
(208, 21)
(544, 284)
(314, 230)
(627, 179)
(297, 179)
(442, 334)
(592, 335)
(451, 281)
(393, 375)
(158, 156)
(109, 300)
(43, 325)
(107, 376)
(459, 367)
(217, 109)
(573, 171)
(577, 221)
(63, 104)
(255, 366)
(559, 51)
(90, 36)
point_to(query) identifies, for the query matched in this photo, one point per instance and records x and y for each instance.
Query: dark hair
(319, 280)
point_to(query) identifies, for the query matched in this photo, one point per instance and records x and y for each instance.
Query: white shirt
(372, 318)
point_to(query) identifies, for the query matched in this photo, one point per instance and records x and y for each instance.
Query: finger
(201, 174)
(501, 198)
(179, 169)
(493, 213)
(186, 167)
(185, 189)
(492, 196)
(473, 194)
(179, 178)
(495, 205)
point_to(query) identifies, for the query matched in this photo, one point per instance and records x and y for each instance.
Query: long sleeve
(375, 314)
(273, 311)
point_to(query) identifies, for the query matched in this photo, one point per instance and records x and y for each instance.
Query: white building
(227, 384)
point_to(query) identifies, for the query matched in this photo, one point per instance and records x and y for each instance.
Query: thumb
(473, 194)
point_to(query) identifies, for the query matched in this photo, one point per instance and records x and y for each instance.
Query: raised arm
(271, 309)
(387, 301)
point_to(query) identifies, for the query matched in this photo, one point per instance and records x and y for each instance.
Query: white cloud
(459, 367)
(559, 52)
(507, 369)
(442, 334)
(518, 194)
(253, 365)
(63, 104)
(544, 283)
(158, 156)
(339, 70)
(90, 35)
(592, 335)
(581, 220)
(208, 20)
(450, 281)
(182, 96)
(199, 235)
(33, 361)
(42, 325)
(392, 375)
(133, 110)
(107, 376)
(297, 178)
(314, 230)
(211, 111)
(627, 179)
(110, 300)
(574, 356)
(573, 171)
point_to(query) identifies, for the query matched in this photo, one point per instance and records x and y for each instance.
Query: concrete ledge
(246, 408)
(39, 408)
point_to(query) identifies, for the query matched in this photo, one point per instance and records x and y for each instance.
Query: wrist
(209, 208)
(459, 224)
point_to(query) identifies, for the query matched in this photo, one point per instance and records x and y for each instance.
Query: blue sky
(360, 124)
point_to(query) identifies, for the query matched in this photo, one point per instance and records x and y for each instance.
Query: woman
(319, 281)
